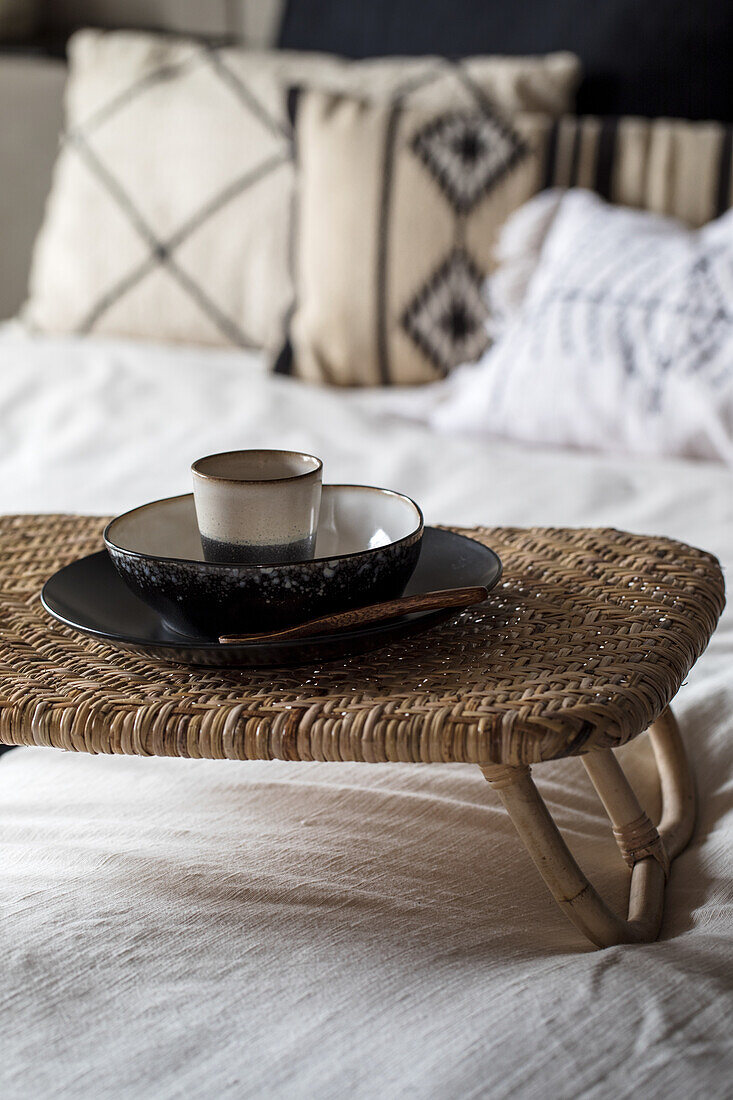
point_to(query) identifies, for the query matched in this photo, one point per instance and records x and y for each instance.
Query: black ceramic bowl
(367, 548)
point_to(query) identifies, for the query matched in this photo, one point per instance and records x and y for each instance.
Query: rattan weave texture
(586, 640)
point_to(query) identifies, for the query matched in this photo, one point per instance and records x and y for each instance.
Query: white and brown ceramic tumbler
(257, 506)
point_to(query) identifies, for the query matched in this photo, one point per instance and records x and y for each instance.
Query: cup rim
(317, 469)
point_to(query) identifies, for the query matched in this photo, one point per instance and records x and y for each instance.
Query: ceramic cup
(257, 507)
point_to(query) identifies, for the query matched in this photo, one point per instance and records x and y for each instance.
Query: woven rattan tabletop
(585, 641)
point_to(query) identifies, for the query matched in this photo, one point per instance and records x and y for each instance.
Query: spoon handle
(376, 612)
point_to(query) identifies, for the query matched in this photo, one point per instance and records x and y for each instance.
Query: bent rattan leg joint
(648, 850)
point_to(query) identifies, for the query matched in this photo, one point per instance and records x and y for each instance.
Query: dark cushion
(641, 57)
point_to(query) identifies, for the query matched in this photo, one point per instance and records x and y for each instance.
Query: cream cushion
(169, 216)
(399, 206)
(398, 210)
(665, 165)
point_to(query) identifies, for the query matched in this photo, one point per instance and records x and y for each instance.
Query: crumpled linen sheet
(213, 929)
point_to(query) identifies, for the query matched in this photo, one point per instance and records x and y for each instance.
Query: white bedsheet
(214, 929)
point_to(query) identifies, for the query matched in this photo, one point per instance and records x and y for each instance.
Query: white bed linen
(214, 929)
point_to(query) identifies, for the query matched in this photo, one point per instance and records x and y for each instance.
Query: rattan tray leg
(646, 849)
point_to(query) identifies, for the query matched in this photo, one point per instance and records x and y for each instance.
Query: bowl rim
(199, 563)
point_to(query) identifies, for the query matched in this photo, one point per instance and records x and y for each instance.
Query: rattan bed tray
(581, 647)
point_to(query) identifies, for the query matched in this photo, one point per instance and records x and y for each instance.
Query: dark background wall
(645, 57)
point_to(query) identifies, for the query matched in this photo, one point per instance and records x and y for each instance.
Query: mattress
(214, 928)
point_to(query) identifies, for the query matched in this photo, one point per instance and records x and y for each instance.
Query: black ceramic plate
(89, 596)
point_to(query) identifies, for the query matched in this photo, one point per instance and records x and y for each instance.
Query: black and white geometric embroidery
(468, 153)
(638, 302)
(688, 336)
(447, 318)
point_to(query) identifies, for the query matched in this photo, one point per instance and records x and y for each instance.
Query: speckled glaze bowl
(367, 547)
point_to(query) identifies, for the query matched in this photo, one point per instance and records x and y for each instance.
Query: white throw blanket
(217, 929)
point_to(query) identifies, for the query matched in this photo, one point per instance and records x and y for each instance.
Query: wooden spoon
(372, 613)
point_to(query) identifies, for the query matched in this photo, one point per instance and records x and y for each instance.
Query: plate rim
(190, 642)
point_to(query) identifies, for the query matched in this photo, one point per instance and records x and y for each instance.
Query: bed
(265, 929)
